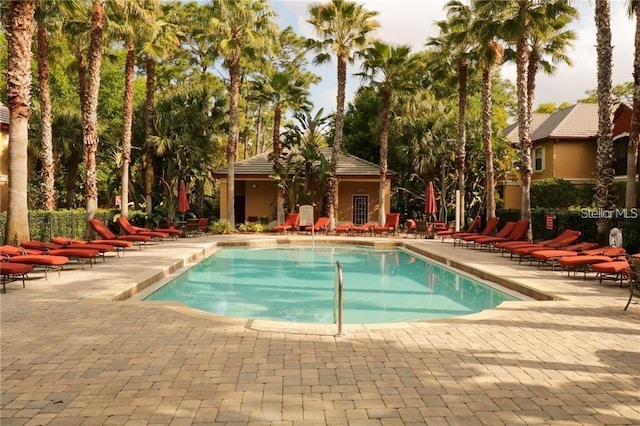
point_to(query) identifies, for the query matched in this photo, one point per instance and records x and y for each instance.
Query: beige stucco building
(256, 193)
(563, 147)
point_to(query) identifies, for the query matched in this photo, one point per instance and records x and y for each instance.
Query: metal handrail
(337, 299)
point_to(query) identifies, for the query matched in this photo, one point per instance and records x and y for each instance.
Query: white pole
(458, 218)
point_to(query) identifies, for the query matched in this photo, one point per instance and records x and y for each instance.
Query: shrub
(223, 226)
(554, 193)
(251, 227)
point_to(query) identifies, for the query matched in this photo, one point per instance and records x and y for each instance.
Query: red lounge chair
(34, 257)
(344, 228)
(78, 254)
(491, 226)
(552, 255)
(365, 228)
(173, 232)
(504, 232)
(129, 229)
(518, 233)
(10, 270)
(321, 225)
(105, 233)
(412, 227)
(391, 224)
(569, 236)
(118, 245)
(293, 219)
(39, 245)
(582, 262)
(470, 230)
(616, 269)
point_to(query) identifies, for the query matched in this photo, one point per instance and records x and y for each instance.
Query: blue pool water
(296, 284)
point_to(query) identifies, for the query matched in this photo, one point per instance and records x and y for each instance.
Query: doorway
(360, 209)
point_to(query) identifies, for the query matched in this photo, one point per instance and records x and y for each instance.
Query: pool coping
(139, 291)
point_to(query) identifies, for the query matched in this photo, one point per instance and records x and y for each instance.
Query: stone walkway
(71, 355)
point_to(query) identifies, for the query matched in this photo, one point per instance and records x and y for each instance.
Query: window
(620, 155)
(538, 159)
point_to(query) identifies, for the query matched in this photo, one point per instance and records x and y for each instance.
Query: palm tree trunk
(332, 193)
(149, 132)
(20, 26)
(634, 131)
(384, 148)
(127, 120)
(604, 151)
(259, 147)
(90, 115)
(232, 144)
(277, 116)
(524, 130)
(463, 71)
(46, 137)
(487, 113)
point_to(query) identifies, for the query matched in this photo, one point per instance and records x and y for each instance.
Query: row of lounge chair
(564, 251)
(322, 225)
(17, 262)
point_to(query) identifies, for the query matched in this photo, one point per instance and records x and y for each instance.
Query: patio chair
(518, 233)
(291, 224)
(411, 227)
(203, 225)
(118, 245)
(552, 255)
(11, 270)
(470, 230)
(321, 225)
(582, 262)
(40, 245)
(191, 228)
(34, 258)
(129, 229)
(80, 255)
(503, 232)
(105, 233)
(364, 229)
(344, 228)
(614, 270)
(566, 238)
(390, 226)
(489, 229)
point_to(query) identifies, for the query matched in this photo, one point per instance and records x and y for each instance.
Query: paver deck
(71, 355)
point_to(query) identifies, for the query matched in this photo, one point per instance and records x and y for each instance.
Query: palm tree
(634, 131)
(391, 70)
(89, 102)
(342, 28)
(131, 20)
(456, 40)
(244, 27)
(605, 197)
(490, 54)
(20, 26)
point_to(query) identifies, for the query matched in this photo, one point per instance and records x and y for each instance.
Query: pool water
(296, 284)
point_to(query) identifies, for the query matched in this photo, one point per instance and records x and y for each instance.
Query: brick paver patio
(73, 356)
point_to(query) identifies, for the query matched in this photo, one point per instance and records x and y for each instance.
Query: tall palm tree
(634, 131)
(131, 20)
(456, 40)
(245, 27)
(490, 55)
(20, 26)
(89, 100)
(605, 197)
(343, 28)
(391, 70)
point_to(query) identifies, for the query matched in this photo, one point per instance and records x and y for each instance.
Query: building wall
(575, 159)
(548, 171)
(347, 189)
(260, 199)
(622, 122)
(512, 196)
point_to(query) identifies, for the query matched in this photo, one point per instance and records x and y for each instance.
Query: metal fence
(44, 225)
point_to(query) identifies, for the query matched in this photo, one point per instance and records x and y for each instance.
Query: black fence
(44, 225)
(584, 221)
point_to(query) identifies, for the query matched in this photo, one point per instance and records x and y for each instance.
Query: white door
(360, 209)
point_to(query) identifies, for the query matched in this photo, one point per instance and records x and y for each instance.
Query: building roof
(579, 121)
(348, 166)
(511, 132)
(4, 114)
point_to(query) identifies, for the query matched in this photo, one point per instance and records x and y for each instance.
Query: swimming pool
(296, 284)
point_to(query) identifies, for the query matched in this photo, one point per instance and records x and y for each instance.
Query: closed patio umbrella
(430, 207)
(183, 201)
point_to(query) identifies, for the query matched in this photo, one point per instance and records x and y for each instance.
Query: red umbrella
(183, 201)
(430, 207)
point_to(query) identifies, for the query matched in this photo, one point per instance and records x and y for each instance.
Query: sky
(412, 22)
